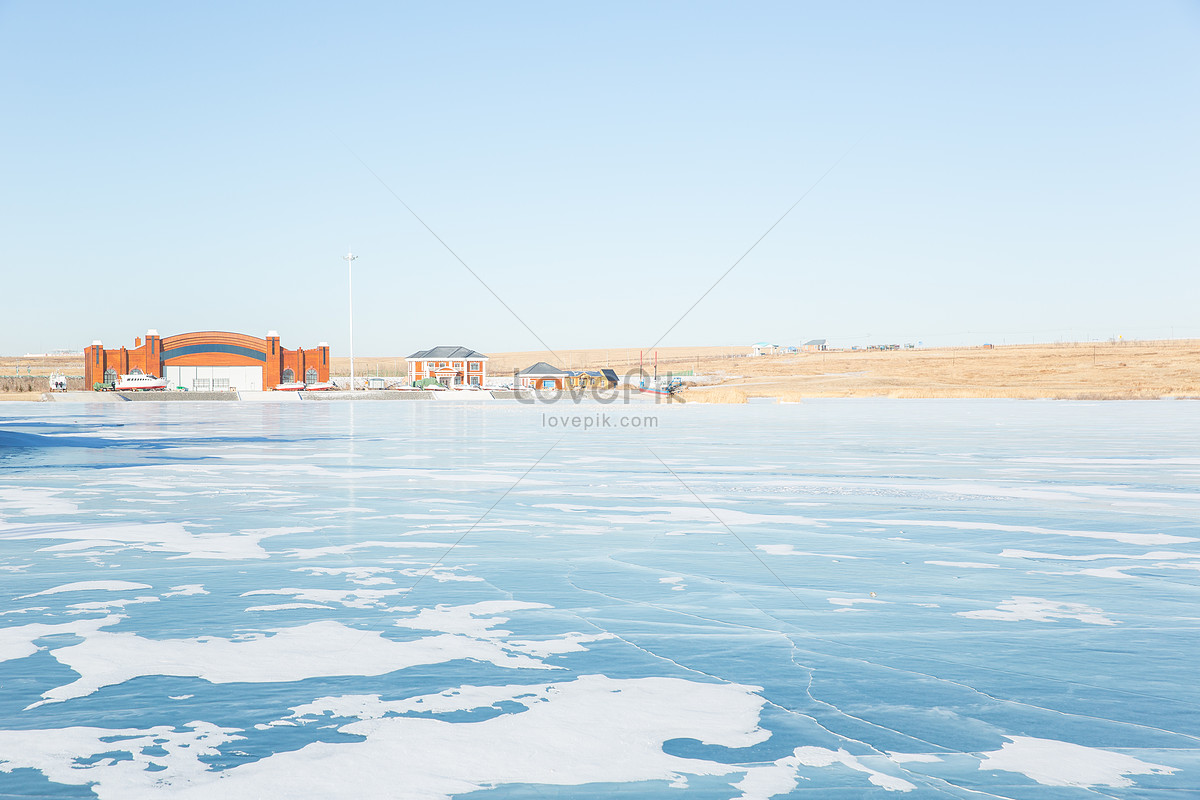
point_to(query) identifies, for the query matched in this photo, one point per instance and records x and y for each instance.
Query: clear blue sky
(1017, 171)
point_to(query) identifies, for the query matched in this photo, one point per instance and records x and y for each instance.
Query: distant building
(208, 361)
(593, 379)
(814, 345)
(764, 349)
(449, 366)
(542, 376)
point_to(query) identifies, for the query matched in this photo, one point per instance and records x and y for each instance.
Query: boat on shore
(138, 382)
(324, 386)
(289, 387)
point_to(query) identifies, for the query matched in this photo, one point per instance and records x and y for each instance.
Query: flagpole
(349, 259)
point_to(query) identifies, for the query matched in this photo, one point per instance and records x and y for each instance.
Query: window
(310, 375)
(474, 366)
(136, 371)
(474, 380)
(201, 384)
(220, 384)
(287, 377)
(110, 375)
(441, 364)
(458, 365)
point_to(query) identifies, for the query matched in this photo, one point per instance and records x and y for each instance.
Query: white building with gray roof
(449, 366)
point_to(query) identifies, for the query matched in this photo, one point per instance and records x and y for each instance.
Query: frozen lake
(956, 599)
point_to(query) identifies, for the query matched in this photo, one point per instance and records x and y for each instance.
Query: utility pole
(349, 258)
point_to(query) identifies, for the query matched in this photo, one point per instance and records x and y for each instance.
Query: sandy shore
(1120, 370)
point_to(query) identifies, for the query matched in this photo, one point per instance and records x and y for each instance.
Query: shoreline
(1113, 370)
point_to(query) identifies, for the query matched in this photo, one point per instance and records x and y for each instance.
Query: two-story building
(449, 366)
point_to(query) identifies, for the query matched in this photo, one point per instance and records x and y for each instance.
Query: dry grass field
(1105, 370)
(1108, 370)
(26, 377)
(1126, 370)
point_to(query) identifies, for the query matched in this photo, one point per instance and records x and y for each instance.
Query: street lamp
(349, 259)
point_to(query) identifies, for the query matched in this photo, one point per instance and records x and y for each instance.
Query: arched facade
(208, 360)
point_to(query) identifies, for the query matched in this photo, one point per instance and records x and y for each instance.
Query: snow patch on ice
(1054, 763)
(1149, 539)
(821, 757)
(350, 598)
(104, 606)
(1038, 609)
(90, 586)
(18, 642)
(161, 537)
(344, 549)
(782, 775)
(363, 576)
(468, 619)
(186, 590)
(790, 550)
(158, 758)
(35, 502)
(1157, 555)
(589, 730)
(287, 607)
(278, 655)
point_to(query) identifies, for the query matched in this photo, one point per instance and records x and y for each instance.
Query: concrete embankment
(123, 397)
(618, 396)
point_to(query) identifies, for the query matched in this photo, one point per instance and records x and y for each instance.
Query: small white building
(764, 349)
(450, 366)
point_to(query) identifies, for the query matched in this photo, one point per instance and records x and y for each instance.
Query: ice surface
(929, 599)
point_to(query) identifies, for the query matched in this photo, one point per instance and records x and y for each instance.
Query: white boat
(289, 387)
(324, 386)
(139, 382)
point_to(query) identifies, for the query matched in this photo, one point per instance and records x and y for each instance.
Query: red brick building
(209, 361)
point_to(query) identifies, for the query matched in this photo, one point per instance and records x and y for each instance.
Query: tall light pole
(349, 259)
